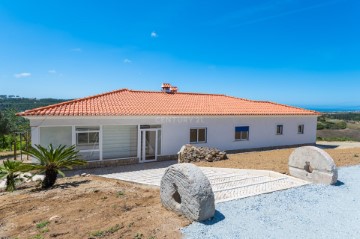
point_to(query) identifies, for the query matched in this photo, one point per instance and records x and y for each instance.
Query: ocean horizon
(332, 109)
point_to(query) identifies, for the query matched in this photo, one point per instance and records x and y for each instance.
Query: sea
(333, 109)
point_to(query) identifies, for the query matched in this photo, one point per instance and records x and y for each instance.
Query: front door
(148, 145)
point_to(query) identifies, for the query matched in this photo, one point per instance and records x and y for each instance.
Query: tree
(9, 124)
(52, 160)
(11, 171)
(16, 123)
(5, 127)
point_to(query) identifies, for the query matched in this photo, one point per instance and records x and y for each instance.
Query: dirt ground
(277, 160)
(87, 207)
(96, 207)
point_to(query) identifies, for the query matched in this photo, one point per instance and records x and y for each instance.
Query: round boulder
(185, 190)
(313, 164)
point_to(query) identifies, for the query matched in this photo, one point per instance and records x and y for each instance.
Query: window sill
(89, 150)
(240, 140)
(198, 142)
(87, 144)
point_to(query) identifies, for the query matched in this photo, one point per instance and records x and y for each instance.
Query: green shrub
(11, 170)
(52, 160)
(333, 139)
(320, 126)
(331, 124)
(42, 224)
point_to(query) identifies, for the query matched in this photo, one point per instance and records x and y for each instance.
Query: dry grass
(353, 134)
(277, 160)
(354, 125)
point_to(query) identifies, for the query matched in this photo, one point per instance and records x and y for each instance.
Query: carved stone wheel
(185, 190)
(313, 164)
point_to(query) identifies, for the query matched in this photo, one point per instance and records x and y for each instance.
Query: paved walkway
(227, 184)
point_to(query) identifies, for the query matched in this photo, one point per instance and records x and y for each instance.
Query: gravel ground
(313, 211)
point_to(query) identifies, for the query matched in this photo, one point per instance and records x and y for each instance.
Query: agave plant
(11, 170)
(52, 160)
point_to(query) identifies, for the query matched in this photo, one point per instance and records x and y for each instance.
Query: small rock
(2, 183)
(55, 218)
(36, 178)
(56, 234)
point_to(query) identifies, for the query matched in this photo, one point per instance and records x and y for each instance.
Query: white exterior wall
(220, 130)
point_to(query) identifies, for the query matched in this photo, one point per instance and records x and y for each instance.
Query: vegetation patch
(333, 139)
(107, 232)
(120, 194)
(42, 224)
(339, 127)
(327, 123)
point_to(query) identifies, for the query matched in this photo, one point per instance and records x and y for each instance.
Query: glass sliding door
(150, 144)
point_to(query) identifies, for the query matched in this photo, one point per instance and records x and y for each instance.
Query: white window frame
(82, 132)
(89, 131)
(197, 135)
(281, 127)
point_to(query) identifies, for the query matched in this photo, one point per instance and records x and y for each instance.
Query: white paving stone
(227, 184)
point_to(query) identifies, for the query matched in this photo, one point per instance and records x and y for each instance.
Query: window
(87, 142)
(242, 133)
(198, 135)
(87, 135)
(279, 129)
(301, 129)
(56, 136)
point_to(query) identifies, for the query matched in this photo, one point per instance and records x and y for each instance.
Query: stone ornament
(185, 190)
(313, 164)
(189, 153)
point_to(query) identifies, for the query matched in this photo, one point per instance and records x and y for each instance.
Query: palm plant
(11, 171)
(52, 160)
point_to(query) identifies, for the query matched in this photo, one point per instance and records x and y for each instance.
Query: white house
(129, 126)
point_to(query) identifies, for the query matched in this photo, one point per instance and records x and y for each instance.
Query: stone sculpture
(313, 164)
(185, 190)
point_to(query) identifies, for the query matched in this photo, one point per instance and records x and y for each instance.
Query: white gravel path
(311, 211)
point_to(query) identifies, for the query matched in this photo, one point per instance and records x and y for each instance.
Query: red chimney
(168, 88)
(173, 89)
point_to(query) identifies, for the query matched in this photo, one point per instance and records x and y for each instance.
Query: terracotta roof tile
(126, 102)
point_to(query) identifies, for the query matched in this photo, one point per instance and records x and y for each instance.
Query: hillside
(339, 127)
(22, 104)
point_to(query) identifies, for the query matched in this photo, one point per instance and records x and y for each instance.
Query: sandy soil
(277, 160)
(87, 207)
(96, 207)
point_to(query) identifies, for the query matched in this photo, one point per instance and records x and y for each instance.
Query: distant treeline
(21, 104)
(10, 124)
(328, 124)
(336, 120)
(343, 116)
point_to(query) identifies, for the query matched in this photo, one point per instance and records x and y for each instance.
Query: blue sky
(302, 52)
